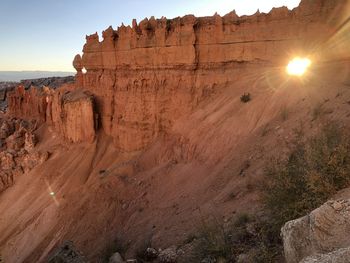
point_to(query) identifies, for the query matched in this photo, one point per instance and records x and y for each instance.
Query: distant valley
(20, 75)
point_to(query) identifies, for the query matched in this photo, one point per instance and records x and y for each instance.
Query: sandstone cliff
(177, 99)
(145, 77)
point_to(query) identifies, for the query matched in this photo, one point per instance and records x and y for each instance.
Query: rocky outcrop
(5, 87)
(146, 76)
(324, 230)
(66, 253)
(27, 104)
(339, 256)
(17, 153)
(72, 114)
(52, 82)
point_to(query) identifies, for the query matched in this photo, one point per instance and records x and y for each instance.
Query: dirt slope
(209, 164)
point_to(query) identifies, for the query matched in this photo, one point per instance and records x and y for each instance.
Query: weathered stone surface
(18, 154)
(116, 258)
(6, 129)
(324, 230)
(30, 141)
(30, 104)
(339, 256)
(66, 253)
(72, 114)
(168, 255)
(147, 76)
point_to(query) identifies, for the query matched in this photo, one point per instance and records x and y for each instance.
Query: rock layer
(17, 153)
(72, 114)
(324, 230)
(145, 77)
(339, 256)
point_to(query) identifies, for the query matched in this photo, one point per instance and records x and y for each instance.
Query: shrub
(245, 97)
(317, 111)
(242, 236)
(284, 113)
(313, 171)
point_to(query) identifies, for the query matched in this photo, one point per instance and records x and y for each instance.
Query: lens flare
(298, 66)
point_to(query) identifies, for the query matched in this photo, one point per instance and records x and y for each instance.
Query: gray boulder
(324, 230)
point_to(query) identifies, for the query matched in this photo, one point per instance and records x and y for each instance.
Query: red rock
(145, 77)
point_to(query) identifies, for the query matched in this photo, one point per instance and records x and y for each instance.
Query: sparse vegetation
(265, 130)
(245, 235)
(115, 246)
(141, 251)
(246, 97)
(284, 113)
(317, 112)
(315, 170)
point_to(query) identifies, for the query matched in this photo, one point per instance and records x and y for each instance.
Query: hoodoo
(168, 123)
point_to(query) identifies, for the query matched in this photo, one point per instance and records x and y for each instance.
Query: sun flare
(298, 66)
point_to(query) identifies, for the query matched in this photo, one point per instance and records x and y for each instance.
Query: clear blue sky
(47, 34)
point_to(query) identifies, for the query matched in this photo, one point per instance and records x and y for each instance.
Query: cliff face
(72, 114)
(147, 76)
(212, 158)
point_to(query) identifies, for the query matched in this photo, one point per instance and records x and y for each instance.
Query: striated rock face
(324, 230)
(72, 113)
(27, 104)
(145, 77)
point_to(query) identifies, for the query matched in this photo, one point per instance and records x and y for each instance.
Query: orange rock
(143, 78)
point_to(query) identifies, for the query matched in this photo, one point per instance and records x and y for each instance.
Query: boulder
(168, 255)
(324, 230)
(116, 258)
(339, 256)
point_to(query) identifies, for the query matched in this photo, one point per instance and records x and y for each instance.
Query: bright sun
(298, 66)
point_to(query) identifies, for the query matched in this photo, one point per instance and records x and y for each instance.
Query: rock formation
(66, 253)
(145, 77)
(72, 114)
(17, 153)
(167, 93)
(339, 256)
(323, 231)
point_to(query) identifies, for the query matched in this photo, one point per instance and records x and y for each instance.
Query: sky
(47, 34)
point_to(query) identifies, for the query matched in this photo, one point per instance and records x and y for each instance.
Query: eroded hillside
(154, 136)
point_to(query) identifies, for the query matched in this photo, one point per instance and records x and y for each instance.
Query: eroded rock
(18, 155)
(145, 77)
(339, 256)
(168, 255)
(116, 258)
(324, 230)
